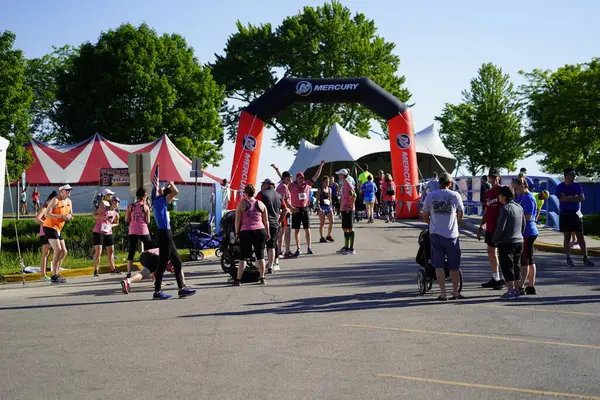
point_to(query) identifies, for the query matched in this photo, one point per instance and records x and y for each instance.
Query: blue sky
(441, 43)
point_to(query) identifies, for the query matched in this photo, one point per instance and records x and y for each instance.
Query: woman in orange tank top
(59, 211)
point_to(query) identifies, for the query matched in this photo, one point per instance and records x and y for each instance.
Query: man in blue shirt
(571, 196)
(166, 245)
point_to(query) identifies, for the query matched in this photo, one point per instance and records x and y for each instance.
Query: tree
(322, 42)
(484, 130)
(564, 117)
(15, 99)
(133, 86)
(42, 76)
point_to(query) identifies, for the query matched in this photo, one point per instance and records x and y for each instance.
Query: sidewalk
(549, 240)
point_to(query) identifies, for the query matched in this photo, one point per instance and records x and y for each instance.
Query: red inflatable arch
(352, 90)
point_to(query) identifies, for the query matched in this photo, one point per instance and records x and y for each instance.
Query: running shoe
(237, 282)
(96, 273)
(296, 254)
(570, 262)
(489, 284)
(530, 290)
(262, 281)
(522, 291)
(501, 284)
(588, 263)
(322, 240)
(125, 286)
(185, 292)
(276, 267)
(330, 238)
(115, 271)
(58, 279)
(350, 252)
(161, 296)
(342, 251)
(45, 278)
(309, 251)
(128, 275)
(269, 270)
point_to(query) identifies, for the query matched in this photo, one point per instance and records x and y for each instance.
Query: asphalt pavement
(326, 327)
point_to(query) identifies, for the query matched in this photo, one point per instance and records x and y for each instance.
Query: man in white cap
(347, 210)
(59, 210)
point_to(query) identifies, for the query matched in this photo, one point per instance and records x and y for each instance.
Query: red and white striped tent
(80, 164)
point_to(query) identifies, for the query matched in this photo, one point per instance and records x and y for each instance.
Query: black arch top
(329, 90)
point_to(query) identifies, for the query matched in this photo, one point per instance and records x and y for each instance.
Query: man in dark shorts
(347, 209)
(570, 194)
(489, 221)
(276, 212)
(149, 260)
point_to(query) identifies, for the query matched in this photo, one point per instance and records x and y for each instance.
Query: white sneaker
(276, 267)
(350, 252)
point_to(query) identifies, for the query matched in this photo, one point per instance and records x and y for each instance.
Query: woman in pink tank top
(106, 218)
(138, 217)
(40, 217)
(251, 229)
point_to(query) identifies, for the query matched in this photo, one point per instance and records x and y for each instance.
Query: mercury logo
(403, 141)
(249, 143)
(304, 88)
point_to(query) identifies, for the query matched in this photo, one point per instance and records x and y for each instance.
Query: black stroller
(231, 253)
(360, 208)
(426, 275)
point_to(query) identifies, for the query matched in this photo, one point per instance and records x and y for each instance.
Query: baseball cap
(445, 179)
(342, 171)
(267, 181)
(494, 172)
(300, 175)
(106, 192)
(286, 174)
(65, 187)
(116, 198)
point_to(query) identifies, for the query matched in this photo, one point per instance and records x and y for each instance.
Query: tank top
(60, 209)
(137, 220)
(252, 217)
(324, 198)
(104, 225)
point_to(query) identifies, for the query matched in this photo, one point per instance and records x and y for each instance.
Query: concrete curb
(89, 271)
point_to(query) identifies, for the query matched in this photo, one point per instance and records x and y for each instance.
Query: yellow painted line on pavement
(472, 335)
(491, 387)
(537, 309)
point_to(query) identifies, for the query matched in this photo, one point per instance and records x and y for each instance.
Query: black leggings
(509, 255)
(167, 252)
(133, 242)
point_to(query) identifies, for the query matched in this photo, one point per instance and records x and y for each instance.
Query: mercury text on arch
(245, 170)
(339, 86)
(406, 167)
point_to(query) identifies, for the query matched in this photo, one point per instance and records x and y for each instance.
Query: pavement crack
(271, 297)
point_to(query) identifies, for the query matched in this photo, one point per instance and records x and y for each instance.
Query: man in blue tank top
(166, 245)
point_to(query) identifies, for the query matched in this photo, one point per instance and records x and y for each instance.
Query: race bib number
(326, 202)
(105, 228)
(302, 196)
(579, 214)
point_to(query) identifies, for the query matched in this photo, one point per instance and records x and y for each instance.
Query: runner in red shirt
(489, 220)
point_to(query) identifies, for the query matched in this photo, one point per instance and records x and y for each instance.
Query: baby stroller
(231, 254)
(196, 241)
(360, 209)
(426, 275)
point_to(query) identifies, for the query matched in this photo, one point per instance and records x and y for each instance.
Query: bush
(78, 232)
(591, 224)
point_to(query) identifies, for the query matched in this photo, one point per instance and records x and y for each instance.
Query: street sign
(197, 164)
(196, 174)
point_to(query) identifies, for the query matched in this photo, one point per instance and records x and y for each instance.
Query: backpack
(391, 191)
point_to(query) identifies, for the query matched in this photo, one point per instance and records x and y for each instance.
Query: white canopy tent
(342, 146)
(3, 147)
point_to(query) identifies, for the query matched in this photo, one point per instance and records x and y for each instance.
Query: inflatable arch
(348, 90)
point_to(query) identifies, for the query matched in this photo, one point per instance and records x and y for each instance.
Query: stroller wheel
(200, 256)
(194, 255)
(460, 283)
(421, 284)
(225, 263)
(218, 252)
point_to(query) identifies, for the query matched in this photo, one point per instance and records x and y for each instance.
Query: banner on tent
(114, 177)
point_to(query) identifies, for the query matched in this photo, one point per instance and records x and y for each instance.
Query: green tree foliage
(484, 130)
(133, 86)
(564, 116)
(15, 100)
(321, 42)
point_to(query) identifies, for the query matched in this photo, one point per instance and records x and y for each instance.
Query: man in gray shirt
(443, 210)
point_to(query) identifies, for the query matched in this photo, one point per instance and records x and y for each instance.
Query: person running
(388, 197)
(138, 217)
(40, 217)
(364, 176)
(347, 207)
(35, 200)
(368, 190)
(58, 211)
(443, 211)
(284, 191)
(166, 247)
(508, 237)
(540, 199)
(149, 260)
(300, 192)
(106, 219)
(570, 195)
(24, 201)
(276, 211)
(251, 231)
(324, 197)
(530, 234)
(488, 221)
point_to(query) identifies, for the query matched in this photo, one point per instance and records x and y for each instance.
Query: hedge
(591, 224)
(78, 232)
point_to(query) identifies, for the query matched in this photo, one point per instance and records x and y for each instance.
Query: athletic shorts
(272, 243)
(348, 219)
(43, 241)
(325, 209)
(301, 217)
(149, 261)
(103, 240)
(443, 248)
(253, 241)
(369, 199)
(488, 239)
(51, 233)
(570, 223)
(527, 257)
